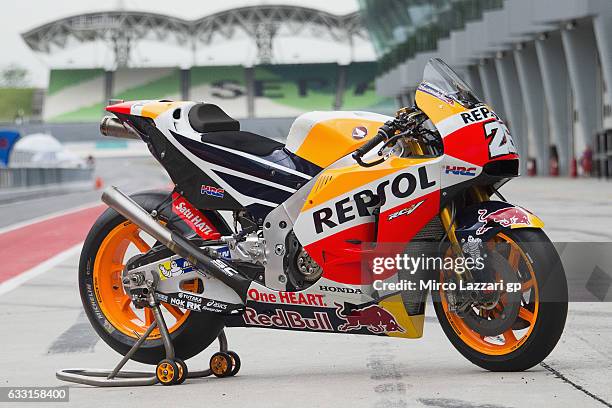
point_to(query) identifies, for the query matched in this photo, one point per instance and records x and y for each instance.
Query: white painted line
(49, 216)
(39, 269)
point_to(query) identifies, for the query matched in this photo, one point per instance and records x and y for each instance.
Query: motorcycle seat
(246, 142)
(218, 128)
(207, 117)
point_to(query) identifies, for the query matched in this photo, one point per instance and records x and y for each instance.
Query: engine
(301, 271)
(250, 248)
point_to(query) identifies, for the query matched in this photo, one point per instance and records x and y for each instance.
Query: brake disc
(504, 319)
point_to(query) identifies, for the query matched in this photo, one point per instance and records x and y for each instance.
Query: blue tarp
(7, 141)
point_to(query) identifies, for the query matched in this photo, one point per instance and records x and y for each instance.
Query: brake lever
(382, 136)
(392, 140)
(366, 164)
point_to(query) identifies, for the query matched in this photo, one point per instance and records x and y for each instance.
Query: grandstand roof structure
(261, 23)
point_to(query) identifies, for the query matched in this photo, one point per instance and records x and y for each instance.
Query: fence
(33, 177)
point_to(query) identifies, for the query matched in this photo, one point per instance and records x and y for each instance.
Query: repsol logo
(402, 186)
(478, 115)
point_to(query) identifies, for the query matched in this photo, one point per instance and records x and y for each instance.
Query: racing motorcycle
(257, 233)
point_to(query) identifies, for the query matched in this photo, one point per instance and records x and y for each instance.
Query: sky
(19, 16)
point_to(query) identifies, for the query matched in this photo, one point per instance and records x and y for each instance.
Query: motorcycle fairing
(254, 178)
(339, 213)
(478, 148)
(145, 108)
(321, 311)
(189, 178)
(484, 220)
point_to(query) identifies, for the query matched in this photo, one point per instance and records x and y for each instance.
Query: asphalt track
(44, 329)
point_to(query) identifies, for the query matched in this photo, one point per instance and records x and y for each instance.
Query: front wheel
(537, 312)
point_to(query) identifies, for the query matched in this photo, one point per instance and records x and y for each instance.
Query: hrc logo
(212, 191)
(461, 171)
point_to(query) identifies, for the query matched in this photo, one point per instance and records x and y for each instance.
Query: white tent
(42, 150)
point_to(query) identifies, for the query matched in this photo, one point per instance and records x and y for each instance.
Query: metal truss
(121, 29)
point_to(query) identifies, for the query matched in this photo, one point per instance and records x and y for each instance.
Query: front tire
(109, 308)
(540, 321)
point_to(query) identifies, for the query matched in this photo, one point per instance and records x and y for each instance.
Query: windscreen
(445, 80)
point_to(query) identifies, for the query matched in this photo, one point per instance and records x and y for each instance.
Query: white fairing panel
(304, 123)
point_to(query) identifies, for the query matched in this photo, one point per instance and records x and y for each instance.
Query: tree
(14, 76)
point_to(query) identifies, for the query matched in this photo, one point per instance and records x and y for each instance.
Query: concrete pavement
(283, 368)
(45, 330)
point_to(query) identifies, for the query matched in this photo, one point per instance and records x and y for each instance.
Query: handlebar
(383, 134)
(370, 144)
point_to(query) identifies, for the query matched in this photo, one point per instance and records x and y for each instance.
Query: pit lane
(44, 329)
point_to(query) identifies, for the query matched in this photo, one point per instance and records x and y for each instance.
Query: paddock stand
(169, 371)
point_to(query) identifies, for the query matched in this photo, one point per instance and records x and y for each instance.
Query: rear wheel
(111, 242)
(537, 312)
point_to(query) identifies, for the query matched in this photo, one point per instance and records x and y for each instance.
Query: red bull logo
(506, 217)
(287, 319)
(374, 318)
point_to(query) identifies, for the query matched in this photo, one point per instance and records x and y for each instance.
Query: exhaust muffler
(198, 257)
(110, 126)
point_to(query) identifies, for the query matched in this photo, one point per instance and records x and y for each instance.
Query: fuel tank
(324, 137)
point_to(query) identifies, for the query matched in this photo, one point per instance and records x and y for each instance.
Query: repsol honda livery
(258, 233)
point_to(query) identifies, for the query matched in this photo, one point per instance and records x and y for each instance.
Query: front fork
(479, 194)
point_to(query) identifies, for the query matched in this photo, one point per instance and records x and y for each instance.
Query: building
(543, 65)
(264, 88)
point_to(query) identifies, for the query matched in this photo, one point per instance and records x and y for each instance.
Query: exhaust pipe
(110, 126)
(218, 268)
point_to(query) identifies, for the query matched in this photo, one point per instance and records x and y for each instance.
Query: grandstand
(222, 85)
(265, 91)
(360, 92)
(71, 92)
(147, 83)
(79, 95)
(289, 90)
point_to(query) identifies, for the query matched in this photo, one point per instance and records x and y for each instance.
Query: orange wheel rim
(220, 364)
(165, 372)
(114, 302)
(512, 339)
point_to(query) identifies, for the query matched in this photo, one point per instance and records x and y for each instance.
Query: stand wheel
(221, 364)
(183, 372)
(167, 372)
(235, 362)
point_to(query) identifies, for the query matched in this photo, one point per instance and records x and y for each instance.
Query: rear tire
(549, 320)
(195, 333)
